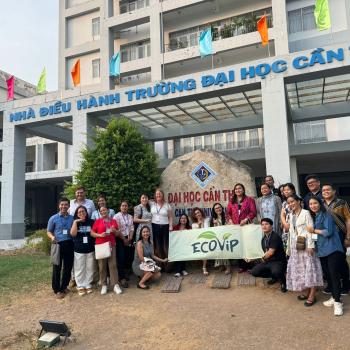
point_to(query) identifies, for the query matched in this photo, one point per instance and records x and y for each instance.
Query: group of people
(304, 240)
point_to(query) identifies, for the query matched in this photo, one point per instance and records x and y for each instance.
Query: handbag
(301, 243)
(103, 251)
(55, 254)
(149, 265)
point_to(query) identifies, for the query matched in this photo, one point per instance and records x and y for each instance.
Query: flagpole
(163, 45)
(212, 60)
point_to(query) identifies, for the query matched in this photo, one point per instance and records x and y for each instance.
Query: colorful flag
(10, 88)
(76, 73)
(263, 31)
(41, 88)
(322, 16)
(114, 65)
(206, 43)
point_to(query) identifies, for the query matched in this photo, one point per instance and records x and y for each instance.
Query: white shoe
(104, 290)
(329, 302)
(178, 274)
(184, 273)
(338, 309)
(117, 289)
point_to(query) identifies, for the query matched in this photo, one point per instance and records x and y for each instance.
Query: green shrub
(39, 241)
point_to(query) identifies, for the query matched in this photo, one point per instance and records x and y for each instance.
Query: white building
(281, 110)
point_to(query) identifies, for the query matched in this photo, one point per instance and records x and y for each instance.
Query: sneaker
(104, 290)
(327, 291)
(178, 274)
(184, 273)
(344, 291)
(329, 302)
(117, 289)
(338, 309)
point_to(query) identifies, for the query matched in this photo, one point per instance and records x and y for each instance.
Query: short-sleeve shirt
(88, 204)
(274, 241)
(101, 226)
(160, 213)
(60, 226)
(83, 242)
(125, 223)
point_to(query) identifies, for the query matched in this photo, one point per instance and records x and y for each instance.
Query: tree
(121, 165)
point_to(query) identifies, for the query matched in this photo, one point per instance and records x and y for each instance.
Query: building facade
(281, 109)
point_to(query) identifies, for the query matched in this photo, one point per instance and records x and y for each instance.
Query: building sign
(202, 179)
(222, 79)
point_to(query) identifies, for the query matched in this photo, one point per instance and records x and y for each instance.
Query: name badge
(314, 237)
(108, 231)
(88, 228)
(85, 240)
(65, 232)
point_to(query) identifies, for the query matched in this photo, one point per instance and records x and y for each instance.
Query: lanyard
(127, 221)
(267, 242)
(160, 208)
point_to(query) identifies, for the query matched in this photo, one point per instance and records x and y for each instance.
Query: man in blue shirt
(58, 230)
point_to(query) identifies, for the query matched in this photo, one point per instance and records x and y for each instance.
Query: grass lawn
(22, 272)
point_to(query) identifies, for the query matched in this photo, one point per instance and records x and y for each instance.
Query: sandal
(205, 271)
(309, 303)
(144, 288)
(302, 297)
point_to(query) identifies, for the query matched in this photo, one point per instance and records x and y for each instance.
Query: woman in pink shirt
(241, 210)
(105, 230)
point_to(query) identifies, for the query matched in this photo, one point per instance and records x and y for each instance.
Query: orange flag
(76, 73)
(262, 29)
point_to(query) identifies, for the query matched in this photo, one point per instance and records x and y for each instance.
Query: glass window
(208, 141)
(96, 68)
(302, 19)
(198, 142)
(241, 137)
(95, 27)
(253, 138)
(219, 142)
(229, 140)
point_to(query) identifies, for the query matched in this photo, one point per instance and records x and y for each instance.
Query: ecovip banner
(221, 242)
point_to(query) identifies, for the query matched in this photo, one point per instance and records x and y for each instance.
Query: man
(273, 262)
(314, 185)
(339, 209)
(80, 199)
(58, 230)
(269, 180)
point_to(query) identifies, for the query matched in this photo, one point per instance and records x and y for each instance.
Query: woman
(162, 223)
(84, 248)
(269, 206)
(105, 230)
(304, 272)
(200, 221)
(218, 219)
(241, 210)
(101, 202)
(144, 249)
(184, 224)
(124, 243)
(329, 250)
(143, 216)
(288, 190)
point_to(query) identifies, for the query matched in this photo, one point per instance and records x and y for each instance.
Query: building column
(83, 129)
(62, 46)
(39, 157)
(13, 182)
(276, 134)
(279, 17)
(155, 35)
(107, 51)
(294, 173)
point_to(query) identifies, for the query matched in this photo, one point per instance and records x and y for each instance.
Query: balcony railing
(132, 6)
(227, 28)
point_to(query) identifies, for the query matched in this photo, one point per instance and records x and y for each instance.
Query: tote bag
(103, 251)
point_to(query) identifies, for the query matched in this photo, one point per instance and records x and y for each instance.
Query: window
(96, 68)
(135, 51)
(253, 138)
(96, 28)
(241, 139)
(187, 145)
(198, 142)
(207, 142)
(310, 132)
(219, 142)
(229, 140)
(301, 20)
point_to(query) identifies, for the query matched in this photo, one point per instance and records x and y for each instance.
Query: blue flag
(114, 65)
(205, 43)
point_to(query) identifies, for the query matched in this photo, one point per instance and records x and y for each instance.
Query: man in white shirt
(80, 199)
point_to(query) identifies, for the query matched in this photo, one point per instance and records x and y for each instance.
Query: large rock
(201, 178)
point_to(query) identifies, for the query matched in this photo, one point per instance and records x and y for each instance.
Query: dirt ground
(199, 317)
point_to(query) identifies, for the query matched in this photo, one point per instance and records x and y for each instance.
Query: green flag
(322, 16)
(41, 88)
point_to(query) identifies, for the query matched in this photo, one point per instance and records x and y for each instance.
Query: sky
(29, 39)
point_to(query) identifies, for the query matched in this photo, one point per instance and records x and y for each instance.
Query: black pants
(332, 266)
(179, 266)
(60, 283)
(244, 265)
(124, 258)
(161, 240)
(273, 269)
